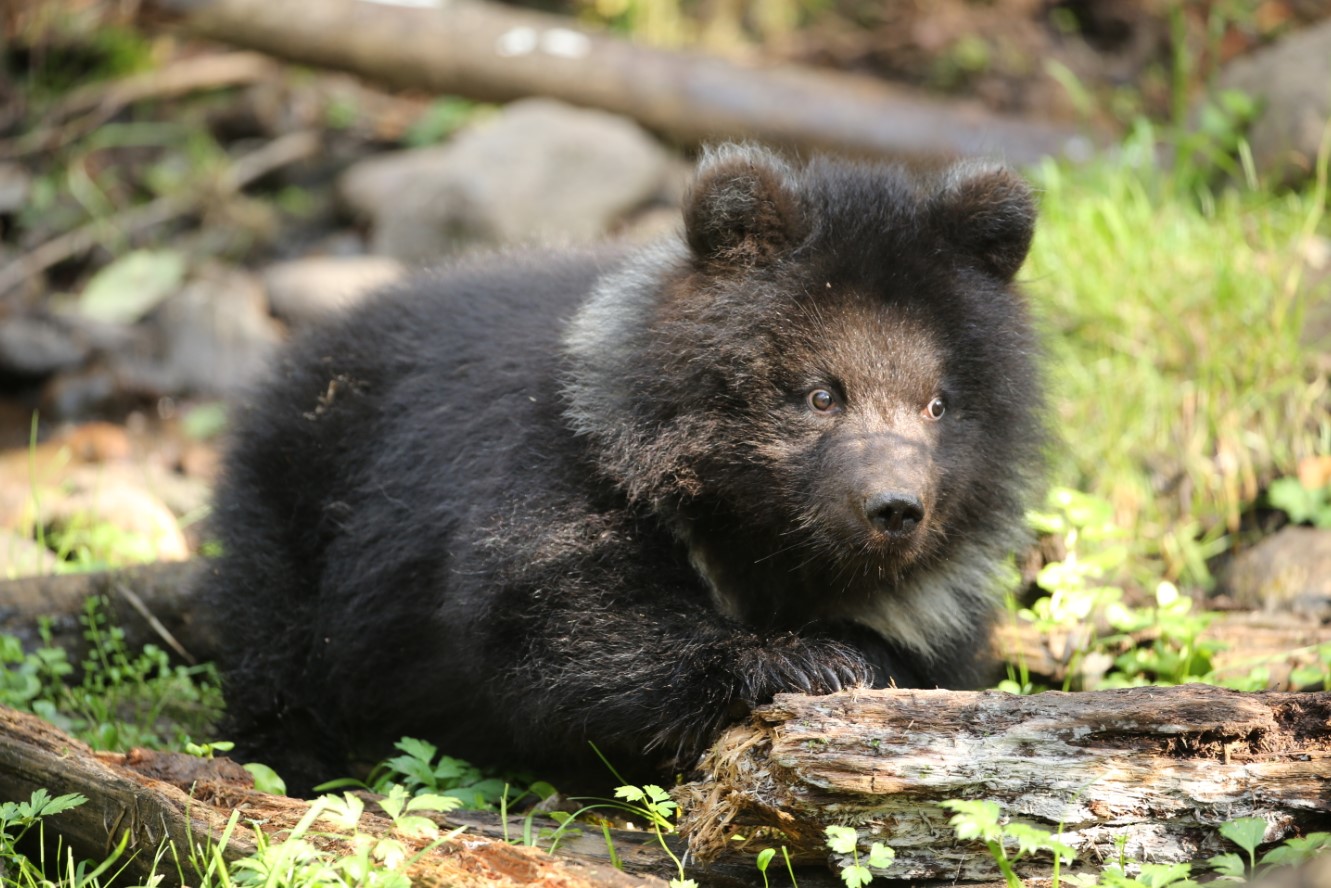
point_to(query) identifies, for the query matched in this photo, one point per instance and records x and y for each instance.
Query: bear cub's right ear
(742, 211)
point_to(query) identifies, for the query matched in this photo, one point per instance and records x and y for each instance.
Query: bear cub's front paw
(797, 665)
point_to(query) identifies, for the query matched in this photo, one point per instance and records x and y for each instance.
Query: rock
(110, 512)
(35, 347)
(303, 290)
(186, 496)
(84, 392)
(539, 171)
(1292, 81)
(1288, 571)
(214, 337)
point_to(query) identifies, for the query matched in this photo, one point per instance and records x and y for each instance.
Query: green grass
(1174, 321)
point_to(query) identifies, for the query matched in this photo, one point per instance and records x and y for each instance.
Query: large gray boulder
(538, 172)
(1292, 82)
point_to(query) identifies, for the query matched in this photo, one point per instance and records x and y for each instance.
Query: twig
(162, 632)
(100, 102)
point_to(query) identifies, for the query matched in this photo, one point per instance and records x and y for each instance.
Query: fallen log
(137, 797)
(151, 603)
(1156, 769)
(1242, 641)
(494, 53)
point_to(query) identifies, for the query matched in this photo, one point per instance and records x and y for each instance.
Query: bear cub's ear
(742, 211)
(987, 211)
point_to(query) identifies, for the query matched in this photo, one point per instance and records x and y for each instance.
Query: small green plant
(844, 840)
(17, 819)
(421, 769)
(440, 120)
(1175, 655)
(982, 820)
(1303, 505)
(1162, 643)
(1091, 541)
(654, 805)
(207, 750)
(120, 699)
(1248, 833)
(374, 862)
(1319, 673)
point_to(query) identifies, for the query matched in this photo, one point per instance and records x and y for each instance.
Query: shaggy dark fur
(553, 498)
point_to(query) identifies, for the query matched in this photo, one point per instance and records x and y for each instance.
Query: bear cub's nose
(897, 514)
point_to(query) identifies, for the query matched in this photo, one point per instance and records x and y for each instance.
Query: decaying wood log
(1158, 768)
(494, 53)
(136, 795)
(151, 603)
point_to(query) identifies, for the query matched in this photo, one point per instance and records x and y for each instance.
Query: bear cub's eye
(937, 407)
(823, 401)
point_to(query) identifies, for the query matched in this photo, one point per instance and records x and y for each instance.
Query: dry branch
(1157, 767)
(133, 222)
(88, 107)
(1246, 640)
(490, 52)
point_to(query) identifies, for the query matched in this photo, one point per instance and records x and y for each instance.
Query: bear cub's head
(832, 380)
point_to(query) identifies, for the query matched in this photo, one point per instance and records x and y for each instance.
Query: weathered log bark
(490, 52)
(139, 796)
(1158, 768)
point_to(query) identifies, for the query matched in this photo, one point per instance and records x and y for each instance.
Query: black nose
(895, 513)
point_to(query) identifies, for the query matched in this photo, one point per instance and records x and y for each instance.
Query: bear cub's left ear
(987, 211)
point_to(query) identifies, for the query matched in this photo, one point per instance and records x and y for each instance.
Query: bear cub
(623, 495)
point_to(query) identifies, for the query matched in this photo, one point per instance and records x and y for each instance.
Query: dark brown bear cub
(620, 497)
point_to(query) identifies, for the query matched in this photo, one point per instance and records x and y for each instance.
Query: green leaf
(764, 858)
(396, 800)
(1246, 832)
(125, 291)
(841, 839)
(630, 793)
(390, 852)
(344, 812)
(975, 818)
(1298, 850)
(422, 750)
(412, 825)
(856, 876)
(1229, 865)
(266, 779)
(42, 805)
(1291, 497)
(440, 804)
(1159, 875)
(881, 856)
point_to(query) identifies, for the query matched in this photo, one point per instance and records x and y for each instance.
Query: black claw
(832, 679)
